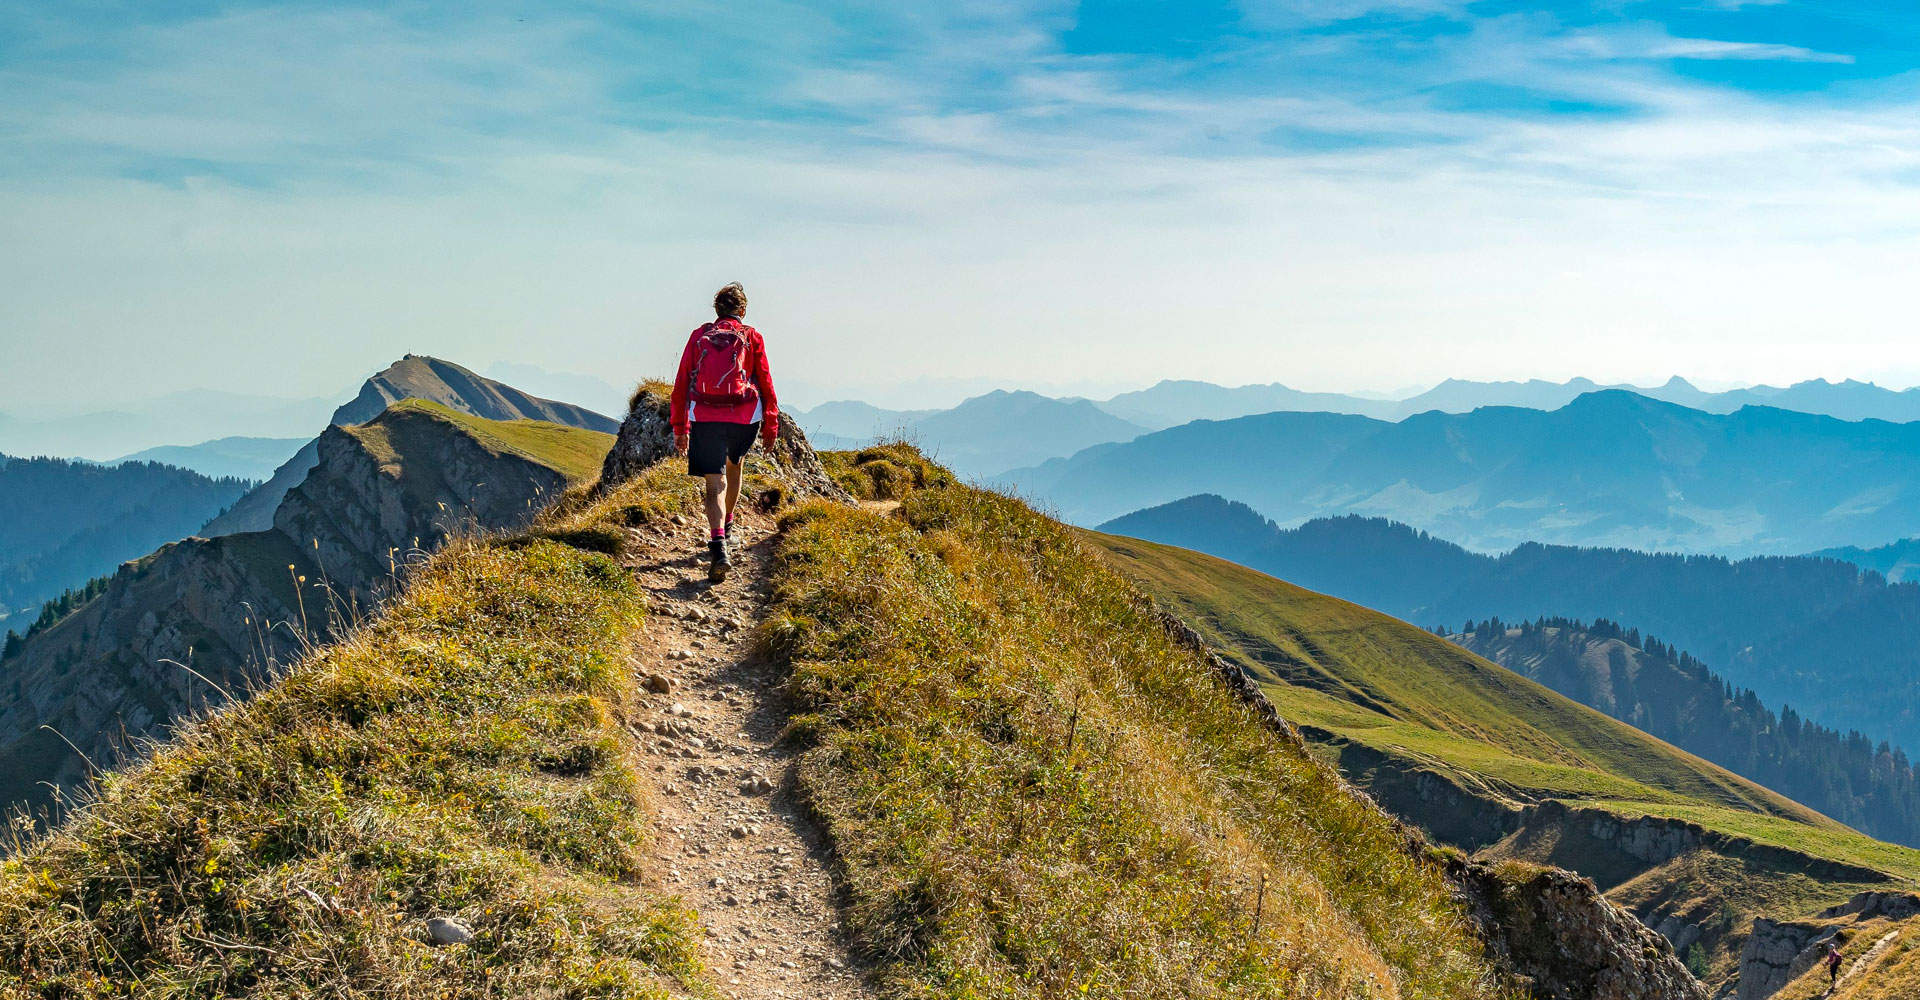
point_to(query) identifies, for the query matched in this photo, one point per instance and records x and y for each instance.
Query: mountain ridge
(412, 377)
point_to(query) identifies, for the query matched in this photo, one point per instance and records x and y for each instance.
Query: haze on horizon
(1334, 194)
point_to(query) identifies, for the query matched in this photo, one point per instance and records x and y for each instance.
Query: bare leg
(716, 488)
(734, 469)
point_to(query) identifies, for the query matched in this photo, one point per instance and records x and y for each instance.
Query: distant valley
(228, 457)
(63, 523)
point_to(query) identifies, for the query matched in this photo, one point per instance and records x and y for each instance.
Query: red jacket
(766, 407)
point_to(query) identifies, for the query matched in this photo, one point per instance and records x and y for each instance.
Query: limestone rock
(646, 437)
(448, 930)
(1555, 931)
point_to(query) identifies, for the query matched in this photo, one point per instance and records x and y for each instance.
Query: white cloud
(987, 207)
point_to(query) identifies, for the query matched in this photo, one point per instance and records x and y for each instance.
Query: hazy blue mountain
(1001, 430)
(1611, 468)
(984, 435)
(252, 458)
(850, 421)
(1173, 402)
(135, 425)
(1898, 561)
(412, 377)
(1839, 644)
(63, 523)
(1847, 400)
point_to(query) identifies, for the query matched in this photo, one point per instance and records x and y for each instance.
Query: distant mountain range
(1172, 403)
(173, 419)
(1897, 561)
(1611, 468)
(63, 523)
(985, 435)
(252, 458)
(1840, 645)
(412, 377)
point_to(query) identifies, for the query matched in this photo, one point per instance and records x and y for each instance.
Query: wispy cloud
(1378, 189)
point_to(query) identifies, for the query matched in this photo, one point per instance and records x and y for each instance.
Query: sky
(1335, 194)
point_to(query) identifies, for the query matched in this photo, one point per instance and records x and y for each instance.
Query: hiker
(1833, 966)
(722, 398)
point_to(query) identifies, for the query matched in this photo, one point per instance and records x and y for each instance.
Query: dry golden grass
(885, 471)
(1035, 793)
(460, 757)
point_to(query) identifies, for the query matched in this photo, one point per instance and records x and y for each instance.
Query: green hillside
(1472, 752)
(572, 451)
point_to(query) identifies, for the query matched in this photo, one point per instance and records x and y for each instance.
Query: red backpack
(719, 374)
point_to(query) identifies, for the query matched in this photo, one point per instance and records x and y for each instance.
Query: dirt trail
(730, 840)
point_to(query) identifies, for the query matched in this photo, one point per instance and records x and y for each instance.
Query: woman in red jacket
(722, 398)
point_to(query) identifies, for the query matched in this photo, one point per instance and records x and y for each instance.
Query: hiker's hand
(679, 444)
(770, 431)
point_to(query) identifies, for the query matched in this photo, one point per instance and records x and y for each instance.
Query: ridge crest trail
(730, 838)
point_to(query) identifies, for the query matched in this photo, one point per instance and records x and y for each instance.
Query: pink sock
(719, 532)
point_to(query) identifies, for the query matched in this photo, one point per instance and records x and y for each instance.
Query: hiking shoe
(719, 562)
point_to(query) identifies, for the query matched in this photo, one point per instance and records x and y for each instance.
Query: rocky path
(730, 842)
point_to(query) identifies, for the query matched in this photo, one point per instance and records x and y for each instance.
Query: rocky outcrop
(203, 620)
(1777, 953)
(412, 377)
(1867, 905)
(646, 437)
(1562, 939)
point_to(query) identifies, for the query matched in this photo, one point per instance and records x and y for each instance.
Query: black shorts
(713, 444)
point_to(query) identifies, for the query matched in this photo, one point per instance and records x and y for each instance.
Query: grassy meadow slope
(1486, 759)
(1037, 792)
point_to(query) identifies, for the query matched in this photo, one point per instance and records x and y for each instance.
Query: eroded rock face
(1555, 931)
(1777, 953)
(646, 437)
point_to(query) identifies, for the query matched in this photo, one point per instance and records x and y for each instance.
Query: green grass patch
(572, 451)
(1036, 793)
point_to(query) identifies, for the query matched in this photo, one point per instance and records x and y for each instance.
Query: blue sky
(1363, 193)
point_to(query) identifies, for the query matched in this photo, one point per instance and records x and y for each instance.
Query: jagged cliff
(203, 619)
(412, 377)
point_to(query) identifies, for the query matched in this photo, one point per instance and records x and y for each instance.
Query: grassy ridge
(1035, 792)
(461, 756)
(571, 451)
